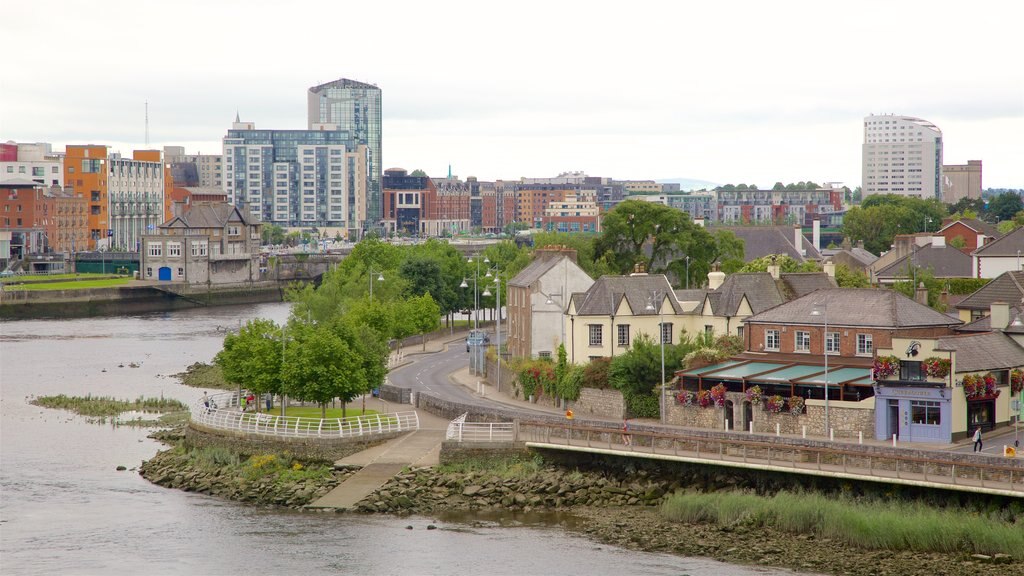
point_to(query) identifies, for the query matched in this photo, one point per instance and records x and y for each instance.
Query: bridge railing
(461, 431)
(224, 414)
(880, 464)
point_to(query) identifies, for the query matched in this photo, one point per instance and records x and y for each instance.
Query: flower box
(936, 367)
(885, 366)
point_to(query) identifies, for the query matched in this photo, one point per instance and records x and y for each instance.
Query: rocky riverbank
(614, 506)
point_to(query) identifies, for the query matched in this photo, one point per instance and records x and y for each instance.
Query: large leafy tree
(252, 357)
(880, 217)
(1004, 206)
(637, 231)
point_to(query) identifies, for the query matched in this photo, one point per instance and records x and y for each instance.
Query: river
(65, 509)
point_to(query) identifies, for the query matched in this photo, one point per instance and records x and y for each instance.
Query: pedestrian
(977, 439)
(206, 402)
(627, 438)
(250, 400)
(270, 401)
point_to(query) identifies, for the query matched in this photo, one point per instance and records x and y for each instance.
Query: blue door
(165, 273)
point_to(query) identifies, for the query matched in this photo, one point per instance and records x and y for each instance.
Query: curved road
(428, 372)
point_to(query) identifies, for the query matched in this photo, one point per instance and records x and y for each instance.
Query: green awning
(791, 373)
(712, 368)
(839, 376)
(742, 371)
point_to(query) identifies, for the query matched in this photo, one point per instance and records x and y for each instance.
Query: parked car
(477, 338)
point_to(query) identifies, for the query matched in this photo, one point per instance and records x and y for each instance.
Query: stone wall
(455, 452)
(605, 403)
(694, 416)
(315, 449)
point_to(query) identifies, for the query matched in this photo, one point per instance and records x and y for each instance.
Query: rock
(121, 468)
(981, 557)
(471, 490)
(431, 527)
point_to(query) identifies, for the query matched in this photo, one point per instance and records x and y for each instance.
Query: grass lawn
(314, 411)
(71, 285)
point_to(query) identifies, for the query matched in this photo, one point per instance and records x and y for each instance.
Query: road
(429, 373)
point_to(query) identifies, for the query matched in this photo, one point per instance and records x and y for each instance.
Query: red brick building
(43, 219)
(972, 231)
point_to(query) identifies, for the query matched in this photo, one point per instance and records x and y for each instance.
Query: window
(149, 272)
(666, 333)
(623, 330)
(802, 341)
(174, 249)
(910, 370)
(181, 272)
(832, 343)
(771, 340)
(155, 248)
(923, 412)
(739, 332)
(595, 334)
(233, 231)
(864, 345)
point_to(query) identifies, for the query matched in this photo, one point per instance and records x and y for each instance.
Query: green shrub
(571, 385)
(595, 374)
(642, 405)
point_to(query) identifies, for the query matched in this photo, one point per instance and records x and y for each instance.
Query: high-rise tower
(353, 107)
(901, 155)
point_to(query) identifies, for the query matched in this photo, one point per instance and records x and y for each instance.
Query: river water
(64, 509)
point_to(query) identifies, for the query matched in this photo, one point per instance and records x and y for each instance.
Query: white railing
(224, 414)
(461, 431)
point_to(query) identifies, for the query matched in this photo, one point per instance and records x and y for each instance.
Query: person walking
(977, 439)
(627, 438)
(206, 402)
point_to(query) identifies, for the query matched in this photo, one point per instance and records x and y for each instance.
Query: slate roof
(857, 307)
(976, 225)
(943, 261)
(859, 254)
(984, 324)
(803, 283)
(1007, 287)
(533, 272)
(760, 241)
(209, 215)
(762, 291)
(637, 291)
(986, 351)
(1007, 245)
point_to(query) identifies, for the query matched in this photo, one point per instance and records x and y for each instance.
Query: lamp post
(497, 335)
(687, 272)
(380, 278)
(476, 295)
(661, 336)
(821, 309)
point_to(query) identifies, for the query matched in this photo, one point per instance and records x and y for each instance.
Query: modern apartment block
(85, 172)
(136, 188)
(298, 178)
(195, 170)
(355, 108)
(961, 181)
(901, 155)
(35, 162)
(801, 207)
(576, 212)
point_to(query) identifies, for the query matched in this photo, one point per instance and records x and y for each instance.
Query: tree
(967, 208)
(1004, 207)
(958, 242)
(636, 231)
(847, 277)
(252, 358)
(424, 316)
(272, 234)
(881, 216)
(785, 263)
(418, 173)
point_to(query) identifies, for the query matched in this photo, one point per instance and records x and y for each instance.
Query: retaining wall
(318, 449)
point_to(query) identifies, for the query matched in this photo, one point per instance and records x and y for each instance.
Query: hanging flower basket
(1016, 380)
(796, 405)
(885, 366)
(977, 387)
(774, 404)
(704, 399)
(718, 395)
(936, 367)
(754, 395)
(686, 398)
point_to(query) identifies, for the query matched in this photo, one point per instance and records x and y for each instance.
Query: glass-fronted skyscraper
(355, 108)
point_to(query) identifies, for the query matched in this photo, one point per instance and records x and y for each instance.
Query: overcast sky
(729, 92)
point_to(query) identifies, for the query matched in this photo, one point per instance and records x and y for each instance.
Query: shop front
(913, 413)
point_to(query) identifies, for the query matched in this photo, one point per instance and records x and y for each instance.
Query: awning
(838, 376)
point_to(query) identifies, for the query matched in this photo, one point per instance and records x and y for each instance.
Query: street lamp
(661, 336)
(687, 272)
(821, 309)
(380, 278)
(497, 335)
(476, 295)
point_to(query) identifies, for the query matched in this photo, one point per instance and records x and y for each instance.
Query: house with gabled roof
(1008, 288)
(760, 241)
(815, 353)
(606, 319)
(1004, 254)
(537, 298)
(942, 260)
(974, 233)
(204, 242)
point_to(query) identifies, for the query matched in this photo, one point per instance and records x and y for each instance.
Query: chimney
(829, 267)
(774, 269)
(860, 244)
(798, 239)
(715, 278)
(938, 241)
(638, 269)
(999, 317)
(921, 294)
(699, 221)
(816, 234)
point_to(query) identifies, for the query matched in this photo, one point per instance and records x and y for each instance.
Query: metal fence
(461, 431)
(224, 414)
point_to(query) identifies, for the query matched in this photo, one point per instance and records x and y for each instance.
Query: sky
(728, 92)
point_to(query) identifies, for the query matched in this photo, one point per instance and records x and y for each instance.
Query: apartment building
(961, 181)
(901, 155)
(32, 161)
(136, 189)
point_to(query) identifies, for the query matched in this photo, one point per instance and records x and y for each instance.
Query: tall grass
(105, 406)
(869, 524)
(507, 468)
